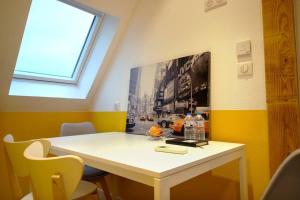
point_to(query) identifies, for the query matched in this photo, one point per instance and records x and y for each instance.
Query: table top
(136, 152)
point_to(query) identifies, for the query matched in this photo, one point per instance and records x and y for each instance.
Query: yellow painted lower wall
(109, 121)
(251, 128)
(244, 126)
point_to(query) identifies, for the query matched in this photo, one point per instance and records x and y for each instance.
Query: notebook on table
(187, 142)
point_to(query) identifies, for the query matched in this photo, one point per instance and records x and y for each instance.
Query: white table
(133, 157)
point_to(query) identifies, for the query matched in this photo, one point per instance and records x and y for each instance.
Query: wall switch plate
(243, 48)
(245, 69)
(211, 4)
(117, 106)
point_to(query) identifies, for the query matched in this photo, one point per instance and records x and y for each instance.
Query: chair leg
(104, 188)
(92, 196)
(97, 195)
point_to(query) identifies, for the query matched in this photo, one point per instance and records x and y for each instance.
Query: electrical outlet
(211, 4)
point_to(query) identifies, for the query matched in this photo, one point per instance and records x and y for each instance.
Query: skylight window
(55, 43)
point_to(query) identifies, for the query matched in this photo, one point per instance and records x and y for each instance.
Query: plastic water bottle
(199, 127)
(188, 127)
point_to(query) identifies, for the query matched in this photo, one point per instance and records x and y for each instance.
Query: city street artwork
(164, 93)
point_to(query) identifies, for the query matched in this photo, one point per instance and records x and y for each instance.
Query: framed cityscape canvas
(163, 93)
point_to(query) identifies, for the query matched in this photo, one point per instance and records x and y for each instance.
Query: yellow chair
(56, 178)
(14, 154)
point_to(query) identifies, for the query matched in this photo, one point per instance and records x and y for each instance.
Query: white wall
(13, 14)
(164, 29)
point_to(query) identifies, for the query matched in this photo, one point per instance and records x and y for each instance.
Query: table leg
(243, 178)
(115, 188)
(161, 190)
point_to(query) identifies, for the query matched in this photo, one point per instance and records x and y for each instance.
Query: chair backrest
(14, 153)
(68, 129)
(45, 172)
(285, 183)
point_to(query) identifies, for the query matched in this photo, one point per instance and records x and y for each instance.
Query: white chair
(56, 178)
(68, 129)
(89, 173)
(285, 183)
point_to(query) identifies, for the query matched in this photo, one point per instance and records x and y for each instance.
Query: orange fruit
(155, 131)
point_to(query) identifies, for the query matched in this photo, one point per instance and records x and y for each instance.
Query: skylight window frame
(80, 63)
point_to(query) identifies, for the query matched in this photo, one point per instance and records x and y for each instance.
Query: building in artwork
(182, 84)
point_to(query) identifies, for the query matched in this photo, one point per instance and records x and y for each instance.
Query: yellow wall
(248, 127)
(243, 126)
(109, 121)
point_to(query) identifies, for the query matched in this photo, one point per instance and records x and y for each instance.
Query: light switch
(243, 48)
(245, 69)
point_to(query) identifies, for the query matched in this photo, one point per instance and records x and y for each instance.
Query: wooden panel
(281, 79)
(280, 54)
(278, 17)
(283, 119)
(281, 88)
